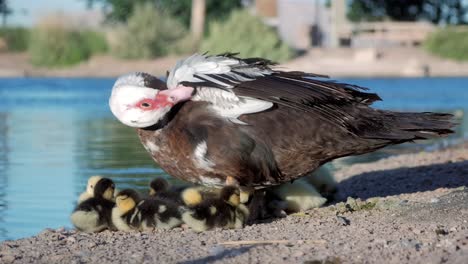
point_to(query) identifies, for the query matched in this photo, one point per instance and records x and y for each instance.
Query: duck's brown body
(224, 120)
(276, 146)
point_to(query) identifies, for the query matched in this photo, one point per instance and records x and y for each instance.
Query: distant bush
(95, 41)
(53, 45)
(149, 33)
(449, 43)
(245, 34)
(16, 38)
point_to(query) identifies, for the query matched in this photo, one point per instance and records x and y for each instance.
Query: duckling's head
(104, 188)
(158, 185)
(127, 199)
(230, 195)
(191, 196)
(92, 181)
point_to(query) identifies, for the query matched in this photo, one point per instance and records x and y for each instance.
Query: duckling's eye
(91, 186)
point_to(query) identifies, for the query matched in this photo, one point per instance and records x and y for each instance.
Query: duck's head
(158, 185)
(230, 195)
(104, 188)
(127, 199)
(142, 100)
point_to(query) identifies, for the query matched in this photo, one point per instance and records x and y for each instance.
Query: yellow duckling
(94, 214)
(226, 211)
(133, 213)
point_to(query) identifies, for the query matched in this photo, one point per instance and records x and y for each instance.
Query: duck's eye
(145, 105)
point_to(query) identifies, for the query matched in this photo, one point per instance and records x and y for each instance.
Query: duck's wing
(241, 86)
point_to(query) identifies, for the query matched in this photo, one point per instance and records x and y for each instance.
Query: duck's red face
(138, 106)
(150, 104)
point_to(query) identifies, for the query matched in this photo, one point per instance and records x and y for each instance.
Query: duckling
(133, 213)
(158, 213)
(94, 214)
(323, 180)
(161, 189)
(125, 214)
(298, 196)
(89, 188)
(226, 211)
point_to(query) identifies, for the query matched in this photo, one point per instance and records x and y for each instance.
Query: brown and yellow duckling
(94, 214)
(226, 211)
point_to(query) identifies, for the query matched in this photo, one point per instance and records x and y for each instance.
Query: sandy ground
(411, 208)
(343, 62)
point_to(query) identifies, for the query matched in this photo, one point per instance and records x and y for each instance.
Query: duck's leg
(245, 192)
(231, 181)
(257, 207)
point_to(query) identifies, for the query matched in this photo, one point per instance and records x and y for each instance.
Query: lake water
(55, 133)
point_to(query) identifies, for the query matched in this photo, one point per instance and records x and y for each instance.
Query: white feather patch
(201, 161)
(211, 182)
(151, 147)
(228, 105)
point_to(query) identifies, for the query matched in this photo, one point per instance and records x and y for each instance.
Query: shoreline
(409, 208)
(394, 62)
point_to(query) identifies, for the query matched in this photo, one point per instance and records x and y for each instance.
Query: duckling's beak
(152, 192)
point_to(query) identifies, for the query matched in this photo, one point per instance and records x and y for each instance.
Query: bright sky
(27, 12)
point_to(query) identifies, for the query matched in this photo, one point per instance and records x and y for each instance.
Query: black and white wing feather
(214, 78)
(221, 71)
(229, 82)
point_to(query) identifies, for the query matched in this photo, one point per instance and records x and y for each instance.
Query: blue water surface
(56, 132)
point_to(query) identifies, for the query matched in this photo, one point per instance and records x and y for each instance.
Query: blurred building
(311, 23)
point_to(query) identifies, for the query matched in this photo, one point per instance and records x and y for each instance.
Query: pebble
(7, 258)
(342, 220)
(434, 200)
(216, 250)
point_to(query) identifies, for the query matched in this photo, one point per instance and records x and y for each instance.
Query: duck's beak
(179, 94)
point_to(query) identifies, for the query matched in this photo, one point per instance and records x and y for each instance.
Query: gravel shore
(411, 208)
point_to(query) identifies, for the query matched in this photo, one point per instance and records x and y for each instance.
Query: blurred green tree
(5, 11)
(120, 10)
(149, 33)
(247, 35)
(435, 11)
